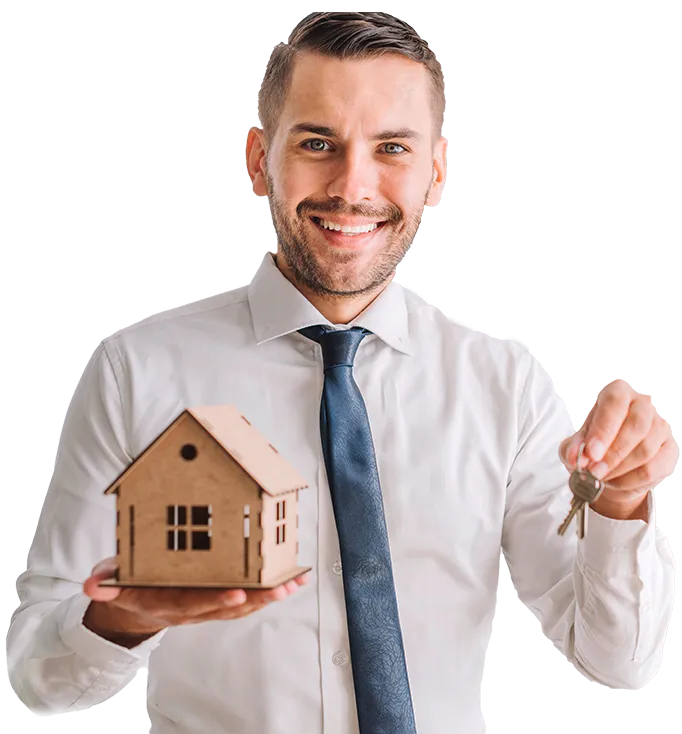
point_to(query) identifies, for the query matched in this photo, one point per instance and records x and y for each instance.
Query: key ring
(583, 444)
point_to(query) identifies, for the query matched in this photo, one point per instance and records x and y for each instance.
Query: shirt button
(336, 568)
(339, 658)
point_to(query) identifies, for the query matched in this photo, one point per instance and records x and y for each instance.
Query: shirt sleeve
(605, 600)
(55, 663)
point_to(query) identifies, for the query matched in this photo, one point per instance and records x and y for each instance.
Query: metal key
(586, 489)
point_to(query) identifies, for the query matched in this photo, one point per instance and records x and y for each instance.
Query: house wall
(279, 557)
(212, 479)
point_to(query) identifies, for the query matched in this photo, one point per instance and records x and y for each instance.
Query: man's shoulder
(219, 308)
(428, 321)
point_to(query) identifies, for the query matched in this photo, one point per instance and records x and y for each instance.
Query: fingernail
(234, 600)
(600, 470)
(596, 450)
(107, 566)
(574, 451)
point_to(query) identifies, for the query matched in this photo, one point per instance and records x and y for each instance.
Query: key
(586, 489)
(576, 501)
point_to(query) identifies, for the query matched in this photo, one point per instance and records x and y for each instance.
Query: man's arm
(55, 662)
(605, 600)
(101, 619)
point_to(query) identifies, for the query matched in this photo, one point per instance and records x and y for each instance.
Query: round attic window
(188, 451)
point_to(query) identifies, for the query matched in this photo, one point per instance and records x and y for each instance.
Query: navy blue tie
(382, 689)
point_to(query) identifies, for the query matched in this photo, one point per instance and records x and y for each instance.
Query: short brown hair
(345, 36)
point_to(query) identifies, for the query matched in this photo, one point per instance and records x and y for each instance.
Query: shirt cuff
(97, 651)
(615, 547)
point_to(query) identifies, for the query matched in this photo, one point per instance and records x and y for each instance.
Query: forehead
(365, 91)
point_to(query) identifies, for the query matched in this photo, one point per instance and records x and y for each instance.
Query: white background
(121, 191)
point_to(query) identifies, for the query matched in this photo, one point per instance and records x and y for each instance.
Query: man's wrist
(619, 511)
(117, 625)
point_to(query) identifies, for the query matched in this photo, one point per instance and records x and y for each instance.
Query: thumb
(569, 448)
(105, 569)
(108, 566)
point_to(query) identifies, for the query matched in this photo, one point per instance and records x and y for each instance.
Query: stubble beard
(331, 278)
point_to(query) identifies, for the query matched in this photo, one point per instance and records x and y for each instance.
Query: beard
(334, 274)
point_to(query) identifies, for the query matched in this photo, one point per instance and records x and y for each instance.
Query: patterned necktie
(382, 689)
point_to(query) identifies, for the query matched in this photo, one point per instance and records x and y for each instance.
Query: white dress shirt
(466, 429)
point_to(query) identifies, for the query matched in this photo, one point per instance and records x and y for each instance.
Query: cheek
(403, 188)
(287, 192)
(293, 188)
(297, 182)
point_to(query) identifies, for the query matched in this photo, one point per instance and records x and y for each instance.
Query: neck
(336, 309)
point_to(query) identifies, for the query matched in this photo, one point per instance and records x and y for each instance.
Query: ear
(439, 172)
(256, 161)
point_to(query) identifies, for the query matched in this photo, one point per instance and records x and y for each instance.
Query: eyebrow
(330, 132)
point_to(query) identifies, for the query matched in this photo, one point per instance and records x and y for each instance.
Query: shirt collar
(279, 308)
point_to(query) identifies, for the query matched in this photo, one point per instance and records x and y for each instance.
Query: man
(471, 443)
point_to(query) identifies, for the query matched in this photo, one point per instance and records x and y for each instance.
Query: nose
(355, 176)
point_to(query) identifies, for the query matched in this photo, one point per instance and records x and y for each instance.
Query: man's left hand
(629, 446)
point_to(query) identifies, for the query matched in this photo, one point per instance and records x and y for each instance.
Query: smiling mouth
(318, 222)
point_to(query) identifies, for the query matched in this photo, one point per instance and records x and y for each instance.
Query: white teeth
(349, 230)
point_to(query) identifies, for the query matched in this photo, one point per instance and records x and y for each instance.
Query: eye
(397, 145)
(321, 150)
(316, 140)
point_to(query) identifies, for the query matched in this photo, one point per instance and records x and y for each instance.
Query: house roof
(244, 443)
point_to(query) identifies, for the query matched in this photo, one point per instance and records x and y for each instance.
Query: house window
(198, 528)
(247, 533)
(280, 527)
(247, 523)
(281, 510)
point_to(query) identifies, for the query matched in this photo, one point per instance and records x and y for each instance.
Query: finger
(569, 449)
(107, 565)
(194, 602)
(645, 476)
(233, 597)
(635, 428)
(96, 592)
(265, 596)
(175, 605)
(278, 593)
(105, 569)
(257, 599)
(255, 596)
(243, 610)
(612, 408)
(642, 453)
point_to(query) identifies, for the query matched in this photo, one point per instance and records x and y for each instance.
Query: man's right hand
(127, 616)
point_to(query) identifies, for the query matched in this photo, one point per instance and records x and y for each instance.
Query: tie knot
(338, 345)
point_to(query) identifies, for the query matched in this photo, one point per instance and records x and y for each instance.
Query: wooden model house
(208, 503)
